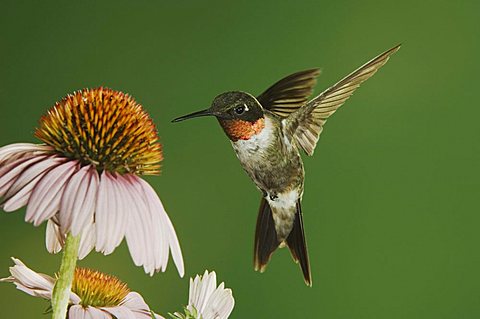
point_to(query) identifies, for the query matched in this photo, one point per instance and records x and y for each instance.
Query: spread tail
(298, 246)
(266, 241)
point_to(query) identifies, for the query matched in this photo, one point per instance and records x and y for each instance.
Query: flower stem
(61, 291)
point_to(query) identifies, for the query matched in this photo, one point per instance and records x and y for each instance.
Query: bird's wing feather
(290, 93)
(306, 123)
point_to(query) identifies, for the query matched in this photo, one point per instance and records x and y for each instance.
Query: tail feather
(266, 241)
(298, 246)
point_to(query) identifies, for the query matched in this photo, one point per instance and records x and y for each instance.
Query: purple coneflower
(84, 180)
(94, 295)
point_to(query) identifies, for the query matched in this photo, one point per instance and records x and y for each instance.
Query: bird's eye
(239, 109)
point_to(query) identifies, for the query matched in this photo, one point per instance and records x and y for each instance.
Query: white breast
(253, 148)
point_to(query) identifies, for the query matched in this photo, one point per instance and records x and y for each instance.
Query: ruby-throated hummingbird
(267, 133)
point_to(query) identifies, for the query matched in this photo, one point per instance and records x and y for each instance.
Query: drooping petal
(87, 240)
(53, 238)
(77, 202)
(72, 198)
(170, 236)
(140, 235)
(83, 218)
(145, 236)
(124, 206)
(101, 213)
(161, 241)
(45, 199)
(150, 230)
(110, 224)
(166, 226)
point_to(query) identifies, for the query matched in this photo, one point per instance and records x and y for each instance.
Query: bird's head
(239, 113)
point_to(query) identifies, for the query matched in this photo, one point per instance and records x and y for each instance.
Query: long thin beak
(206, 112)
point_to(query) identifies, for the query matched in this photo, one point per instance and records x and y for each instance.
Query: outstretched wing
(306, 123)
(289, 93)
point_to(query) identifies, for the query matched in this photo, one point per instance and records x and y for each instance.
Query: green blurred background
(391, 203)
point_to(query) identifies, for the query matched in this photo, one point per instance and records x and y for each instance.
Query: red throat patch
(242, 130)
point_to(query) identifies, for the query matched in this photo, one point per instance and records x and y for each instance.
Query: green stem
(61, 291)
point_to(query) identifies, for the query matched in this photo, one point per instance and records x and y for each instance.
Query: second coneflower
(84, 180)
(94, 295)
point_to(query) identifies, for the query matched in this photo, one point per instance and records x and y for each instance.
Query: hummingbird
(267, 133)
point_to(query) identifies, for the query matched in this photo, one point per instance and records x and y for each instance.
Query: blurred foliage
(391, 196)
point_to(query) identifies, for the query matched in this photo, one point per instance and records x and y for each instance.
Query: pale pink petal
(45, 199)
(170, 236)
(149, 241)
(87, 241)
(54, 240)
(160, 237)
(77, 203)
(110, 220)
(124, 206)
(156, 207)
(138, 231)
(101, 212)
(10, 172)
(143, 241)
(105, 215)
(72, 197)
(84, 217)
(157, 240)
(119, 312)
